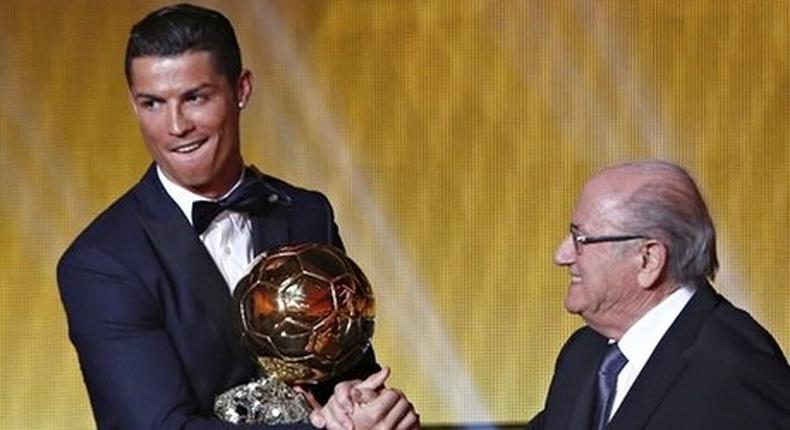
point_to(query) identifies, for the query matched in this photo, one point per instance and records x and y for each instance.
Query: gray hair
(669, 207)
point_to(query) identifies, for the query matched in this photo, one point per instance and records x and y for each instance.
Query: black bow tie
(252, 196)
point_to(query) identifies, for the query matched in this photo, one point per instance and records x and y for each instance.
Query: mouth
(190, 147)
(575, 279)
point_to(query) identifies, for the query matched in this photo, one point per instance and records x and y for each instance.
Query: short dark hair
(182, 28)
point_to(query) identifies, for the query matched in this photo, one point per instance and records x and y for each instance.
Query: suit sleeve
(134, 377)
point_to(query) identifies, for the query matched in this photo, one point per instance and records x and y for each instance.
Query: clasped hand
(365, 405)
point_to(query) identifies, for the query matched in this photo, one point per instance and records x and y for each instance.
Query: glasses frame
(579, 239)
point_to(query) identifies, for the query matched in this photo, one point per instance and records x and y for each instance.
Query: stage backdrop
(452, 138)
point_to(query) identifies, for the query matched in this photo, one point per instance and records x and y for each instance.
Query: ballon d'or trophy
(307, 314)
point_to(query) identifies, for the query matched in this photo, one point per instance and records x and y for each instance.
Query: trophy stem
(265, 400)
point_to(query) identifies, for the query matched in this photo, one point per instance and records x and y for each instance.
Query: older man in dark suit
(661, 349)
(147, 286)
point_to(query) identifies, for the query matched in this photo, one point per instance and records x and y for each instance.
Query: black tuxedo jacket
(150, 314)
(715, 368)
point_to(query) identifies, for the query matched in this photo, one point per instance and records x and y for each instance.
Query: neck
(613, 322)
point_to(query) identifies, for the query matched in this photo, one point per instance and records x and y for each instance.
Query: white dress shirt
(638, 343)
(228, 238)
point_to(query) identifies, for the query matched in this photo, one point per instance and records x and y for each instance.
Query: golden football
(306, 312)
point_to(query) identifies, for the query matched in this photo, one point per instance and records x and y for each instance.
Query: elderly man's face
(602, 274)
(189, 118)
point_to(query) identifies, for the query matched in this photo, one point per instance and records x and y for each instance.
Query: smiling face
(603, 287)
(189, 119)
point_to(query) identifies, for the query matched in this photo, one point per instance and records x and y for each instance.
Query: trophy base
(263, 401)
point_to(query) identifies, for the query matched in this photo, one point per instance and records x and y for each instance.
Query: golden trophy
(307, 314)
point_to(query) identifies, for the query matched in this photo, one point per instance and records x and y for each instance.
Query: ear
(654, 260)
(243, 88)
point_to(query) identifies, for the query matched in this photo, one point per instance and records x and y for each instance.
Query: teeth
(188, 148)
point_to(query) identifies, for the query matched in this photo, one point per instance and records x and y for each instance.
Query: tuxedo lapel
(666, 364)
(270, 228)
(650, 388)
(268, 231)
(185, 258)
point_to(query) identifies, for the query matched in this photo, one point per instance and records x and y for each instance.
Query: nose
(565, 254)
(178, 124)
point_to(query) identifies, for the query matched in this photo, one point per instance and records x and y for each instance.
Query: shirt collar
(184, 197)
(639, 341)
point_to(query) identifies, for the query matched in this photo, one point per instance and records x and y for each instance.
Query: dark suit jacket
(715, 368)
(150, 314)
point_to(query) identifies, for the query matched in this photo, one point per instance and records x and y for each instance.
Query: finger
(316, 419)
(340, 404)
(342, 394)
(378, 409)
(410, 422)
(363, 395)
(308, 396)
(394, 411)
(336, 420)
(397, 413)
(376, 380)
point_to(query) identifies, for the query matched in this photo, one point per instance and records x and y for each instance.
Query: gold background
(452, 138)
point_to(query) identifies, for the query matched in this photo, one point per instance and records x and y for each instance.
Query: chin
(572, 304)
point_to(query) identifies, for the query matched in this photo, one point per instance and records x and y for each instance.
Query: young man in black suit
(147, 286)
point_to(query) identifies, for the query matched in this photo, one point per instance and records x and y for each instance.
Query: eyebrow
(186, 93)
(147, 96)
(197, 90)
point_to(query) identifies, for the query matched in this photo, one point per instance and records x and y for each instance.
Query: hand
(336, 414)
(364, 405)
(390, 409)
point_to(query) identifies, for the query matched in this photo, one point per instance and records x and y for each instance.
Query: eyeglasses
(580, 239)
